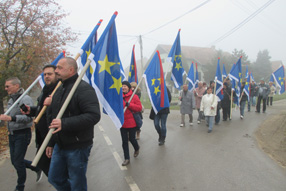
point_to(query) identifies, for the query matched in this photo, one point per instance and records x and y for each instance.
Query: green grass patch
(279, 97)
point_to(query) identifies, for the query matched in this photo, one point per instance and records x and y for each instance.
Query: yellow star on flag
(129, 74)
(87, 55)
(117, 84)
(156, 90)
(105, 65)
(282, 83)
(132, 67)
(153, 81)
(178, 66)
(159, 80)
(280, 78)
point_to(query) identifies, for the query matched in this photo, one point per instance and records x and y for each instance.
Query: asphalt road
(191, 159)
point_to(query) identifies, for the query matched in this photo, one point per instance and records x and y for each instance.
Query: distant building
(201, 55)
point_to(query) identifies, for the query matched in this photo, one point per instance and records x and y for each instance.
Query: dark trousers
(217, 117)
(225, 113)
(18, 144)
(259, 98)
(269, 99)
(125, 133)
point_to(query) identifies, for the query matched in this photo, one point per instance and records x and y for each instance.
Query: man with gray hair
(19, 128)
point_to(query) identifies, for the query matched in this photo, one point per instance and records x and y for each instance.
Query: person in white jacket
(209, 106)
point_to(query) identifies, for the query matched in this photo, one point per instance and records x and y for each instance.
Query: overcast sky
(201, 27)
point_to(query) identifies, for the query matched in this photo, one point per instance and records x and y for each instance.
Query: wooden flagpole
(60, 114)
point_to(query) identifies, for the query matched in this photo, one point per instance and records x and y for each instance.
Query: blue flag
(251, 77)
(218, 80)
(246, 72)
(155, 83)
(55, 62)
(246, 89)
(234, 88)
(175, 58)
(224, 74)
(133, 77)
(191, 77)
(107, 77)
(279, 77)
(271, 78)
(197, 77)
(235, 74)
(85, 52)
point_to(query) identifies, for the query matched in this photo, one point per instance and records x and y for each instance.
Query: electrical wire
(193, 9)
(242, 23)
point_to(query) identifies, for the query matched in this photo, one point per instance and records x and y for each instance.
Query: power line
(202, 4)
(243, 22)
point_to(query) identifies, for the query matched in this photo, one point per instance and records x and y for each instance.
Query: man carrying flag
(175, 58)
(159, 95)
(133, 77)
(41, 127)
(73, 135)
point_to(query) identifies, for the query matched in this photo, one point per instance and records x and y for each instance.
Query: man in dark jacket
(162, 116)
(263, 91)
(41, 127)
(252, 96)
(73, 136)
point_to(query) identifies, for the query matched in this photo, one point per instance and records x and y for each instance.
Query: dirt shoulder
(271, 137)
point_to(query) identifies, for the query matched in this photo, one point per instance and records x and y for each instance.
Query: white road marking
(108, 141)
(100, 128)
(133, 186)
(119, 161)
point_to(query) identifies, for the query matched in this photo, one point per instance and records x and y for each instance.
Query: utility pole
(141, 53)
(142, 69)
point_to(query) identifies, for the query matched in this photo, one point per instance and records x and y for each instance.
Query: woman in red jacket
(128, 130)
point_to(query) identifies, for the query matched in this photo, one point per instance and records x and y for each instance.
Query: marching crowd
(66, 155)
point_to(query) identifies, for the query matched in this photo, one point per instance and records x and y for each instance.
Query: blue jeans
(68, 168)
(252, 101)
(163, 118)
(210, 121)
(128, 134)
(242, 106)
(18, 144)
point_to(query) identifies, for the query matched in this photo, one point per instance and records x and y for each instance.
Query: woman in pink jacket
(128, 129)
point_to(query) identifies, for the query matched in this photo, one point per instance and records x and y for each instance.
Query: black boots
(162, 140)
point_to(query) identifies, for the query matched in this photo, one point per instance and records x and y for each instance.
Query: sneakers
(209, 131)
(241, 117)
(182, 125)
(191, 124)
(39, 175)
(126, 162)
(199, 122)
